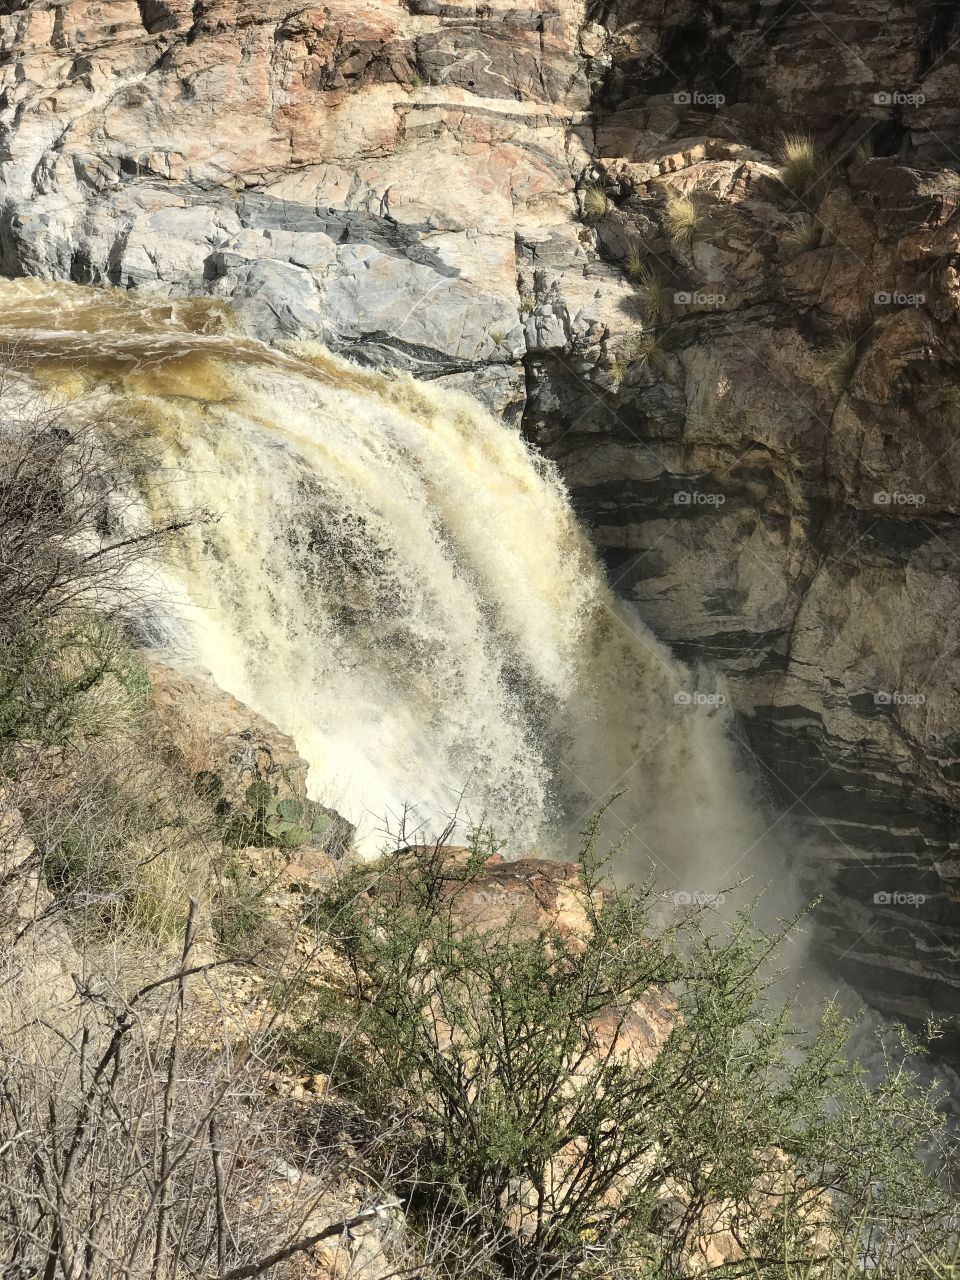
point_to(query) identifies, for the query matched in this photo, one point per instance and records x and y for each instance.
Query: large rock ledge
(407, 182)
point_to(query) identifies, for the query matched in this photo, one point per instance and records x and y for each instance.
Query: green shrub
(508, 1053)
(241, 909)
(70, 680)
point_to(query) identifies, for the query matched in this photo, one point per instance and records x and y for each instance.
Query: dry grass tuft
(654, 296)
(802, 234)
(802, 165)
(682, 220)
(596, 203)
(865, 151)
(648, 351)
(840, 359)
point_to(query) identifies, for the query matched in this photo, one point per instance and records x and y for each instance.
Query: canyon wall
(752, 397)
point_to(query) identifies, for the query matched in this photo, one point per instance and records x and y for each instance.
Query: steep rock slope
(760, 428)
(776, 482)
(358, 173)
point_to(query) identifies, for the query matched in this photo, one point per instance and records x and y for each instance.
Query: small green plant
(801, 164)
(596, 203)
(241, 909)
(802, 234)
(270, 822)
(68, 681)
(681, 221)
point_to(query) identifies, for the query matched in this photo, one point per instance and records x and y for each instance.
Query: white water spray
(398, 581)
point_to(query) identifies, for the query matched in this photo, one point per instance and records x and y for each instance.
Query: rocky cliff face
(747, 369)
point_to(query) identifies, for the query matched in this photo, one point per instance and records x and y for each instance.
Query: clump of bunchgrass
(839, 359)
(682, 220)
(635, 262)
(647, 351)
(802, 234)
(802, 165)
(596, 203)
(654, 295)
(865, 151)
(618, 369)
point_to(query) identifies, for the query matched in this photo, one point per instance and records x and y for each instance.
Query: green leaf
(259, 796)
(290, 810)
(293, 836)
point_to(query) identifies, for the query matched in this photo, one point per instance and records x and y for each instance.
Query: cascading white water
(398, 581)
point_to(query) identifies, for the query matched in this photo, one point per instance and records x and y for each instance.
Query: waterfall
(397, 580)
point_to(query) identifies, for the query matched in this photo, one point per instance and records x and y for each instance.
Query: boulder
(213, 733)
(226, 747)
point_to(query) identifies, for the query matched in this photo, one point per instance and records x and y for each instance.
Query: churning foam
(398, 581)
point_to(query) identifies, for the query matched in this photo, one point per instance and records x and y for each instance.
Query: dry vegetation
(596, 203)
(802, 234)
(683, 218)
(803, 166)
